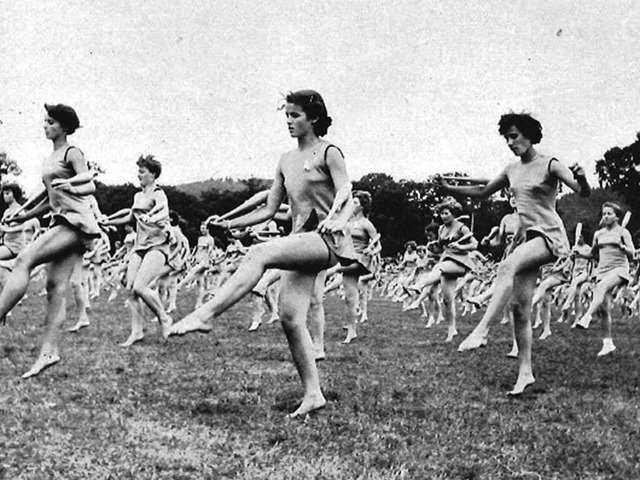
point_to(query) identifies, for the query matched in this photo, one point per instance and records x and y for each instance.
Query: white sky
(414, 87)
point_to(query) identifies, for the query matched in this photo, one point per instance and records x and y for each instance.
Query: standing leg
(59, 272)
(350, 283)
(523, 288)
(316, 318)
(295, 297)
(448, 285)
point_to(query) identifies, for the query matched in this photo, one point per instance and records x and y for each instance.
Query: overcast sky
(414, 87)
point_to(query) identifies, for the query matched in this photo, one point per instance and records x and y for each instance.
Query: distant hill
(223, 185)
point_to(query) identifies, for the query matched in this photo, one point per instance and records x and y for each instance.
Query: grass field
(402, 403)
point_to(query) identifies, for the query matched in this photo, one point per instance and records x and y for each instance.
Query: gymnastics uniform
(150, 235)
(535, 192)
(446, 236)
(361, 239)
(178, 250)
(611, 258)
(69, 209)
(311, 193)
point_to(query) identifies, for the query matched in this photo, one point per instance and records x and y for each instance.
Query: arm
(342, 208)
(274, 200)
(477, 191)
(626, 244)
(121, 217)
(573, 177)
(82, 183)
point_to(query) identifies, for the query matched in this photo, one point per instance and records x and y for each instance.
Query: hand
(61, 184)
(485, 241)
(212, 219)
(330, 226)
(577, 170)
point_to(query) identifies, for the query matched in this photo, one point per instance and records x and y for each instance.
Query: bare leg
(607, 338)
(604, 286)
(137, 330)
(316, 319)
(447, 285)
(295, 297)
(150, 268)
(81, 295)
(527, 256)
(350, 283)
(306, 251)
(59, 272)
(524, 285)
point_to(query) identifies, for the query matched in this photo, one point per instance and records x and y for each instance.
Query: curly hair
(451, 204)
(150, 163)
(528, 126)
(365, 201)
(313, 106)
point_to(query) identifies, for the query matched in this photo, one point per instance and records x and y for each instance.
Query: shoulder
(73, 153)
(332, 153)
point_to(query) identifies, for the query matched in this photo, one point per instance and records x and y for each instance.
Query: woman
(534, 181)
(68, 184)
(314, 178)
(456, 241)
(613, 246)
(202, 254)
(15, 236)
(150, 210)
(366, 242)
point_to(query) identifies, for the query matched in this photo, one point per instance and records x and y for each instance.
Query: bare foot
(81, 324)
(44, 361)
(523, 382)
(451, 333)
(473, 341)
(513, 353)
(583, 322)
(255, 325)
(607, 347)
(351, 335)
(273, 319)
(320, 355)
(190, 323)
(133, 338)
(545, 334)
(309, 405)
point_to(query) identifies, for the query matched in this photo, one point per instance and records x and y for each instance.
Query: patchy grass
(402, 404)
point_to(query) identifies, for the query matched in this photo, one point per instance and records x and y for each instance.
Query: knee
(257, 254)
(55, 287)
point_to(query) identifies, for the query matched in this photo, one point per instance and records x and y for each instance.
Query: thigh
(530, 255)
(55, 243)
(132, 269)
(524, 284)
(296, 289)
(150, 267)
(299, 252)
(451, 269)
(60, 269)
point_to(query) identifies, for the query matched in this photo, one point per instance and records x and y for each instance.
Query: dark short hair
(365, 201)
(528, 126)
(150, 163)
(18, 193)
(313, 106)
(65, 116)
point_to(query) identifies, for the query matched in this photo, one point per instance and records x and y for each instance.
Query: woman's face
(145, 177)
(203, 229)
(357, 205)
(516, 141)
(7, 196)
(609, 216)
(446, 216)
(297, 122)
(52, 128)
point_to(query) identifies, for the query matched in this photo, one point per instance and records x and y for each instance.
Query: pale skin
(518, 272)
(602, 292)
(447, 274)
(143, 271)
(351, 273)
(301, 256)
(59, 246)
